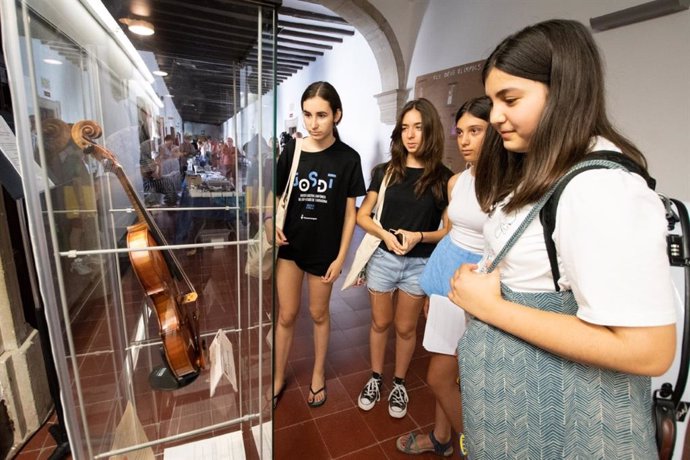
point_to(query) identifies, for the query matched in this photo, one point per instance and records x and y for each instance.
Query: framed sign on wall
(448, 89)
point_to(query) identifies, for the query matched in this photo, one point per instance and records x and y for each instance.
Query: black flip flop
(313, 402)
(277, 396)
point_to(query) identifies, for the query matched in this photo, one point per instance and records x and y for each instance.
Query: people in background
(317, 231)
(415, 202)
(464, 243)
(168, 167)
(558, 366)
(216, 150)
(228, 154)
(165, 149)
(188, 149)
(204, 151)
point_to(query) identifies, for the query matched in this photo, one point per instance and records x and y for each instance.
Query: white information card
(222, 361)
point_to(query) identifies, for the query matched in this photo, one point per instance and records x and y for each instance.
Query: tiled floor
(41, 445)
(339, 429)
(100, 327)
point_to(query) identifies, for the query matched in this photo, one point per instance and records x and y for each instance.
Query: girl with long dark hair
(317, 232)
(464, 243)
(415, 201)
(559, 366)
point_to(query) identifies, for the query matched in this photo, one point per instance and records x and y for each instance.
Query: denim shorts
(387, 272)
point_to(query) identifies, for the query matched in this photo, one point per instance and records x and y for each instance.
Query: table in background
(189, 222)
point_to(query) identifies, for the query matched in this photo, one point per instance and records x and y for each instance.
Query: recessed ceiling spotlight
(140, 7)
(52, 61)
(138, 26)
(160, 73)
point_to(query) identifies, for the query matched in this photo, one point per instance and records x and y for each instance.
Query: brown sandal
(411, 447)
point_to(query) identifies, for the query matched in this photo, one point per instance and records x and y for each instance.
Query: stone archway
(376, 30)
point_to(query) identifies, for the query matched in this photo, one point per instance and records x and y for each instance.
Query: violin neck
(143, 216)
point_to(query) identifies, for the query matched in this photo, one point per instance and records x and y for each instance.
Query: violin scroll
(56, 135)
(84, 134)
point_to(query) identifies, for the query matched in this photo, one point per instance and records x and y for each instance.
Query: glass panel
(132, 329)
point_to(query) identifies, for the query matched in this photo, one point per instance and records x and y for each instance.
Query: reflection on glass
(202, 186)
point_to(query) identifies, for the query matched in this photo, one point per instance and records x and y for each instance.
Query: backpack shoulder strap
(547, 216)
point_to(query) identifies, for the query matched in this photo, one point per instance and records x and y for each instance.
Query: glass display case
(161, 340)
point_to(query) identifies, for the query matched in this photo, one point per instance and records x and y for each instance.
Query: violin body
(151, 269)
(158, 271)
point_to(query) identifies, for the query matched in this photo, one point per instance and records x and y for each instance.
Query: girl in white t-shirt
(561, 374)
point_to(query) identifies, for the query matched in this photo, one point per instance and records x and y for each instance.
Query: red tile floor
(41, 445)
(338, 429)
(94, 324)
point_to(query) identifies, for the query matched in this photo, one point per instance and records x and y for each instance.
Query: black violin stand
(161, 378)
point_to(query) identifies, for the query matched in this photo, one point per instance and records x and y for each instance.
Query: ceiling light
(140, 8)
(138, 26)
(52, 61)
(160, 73)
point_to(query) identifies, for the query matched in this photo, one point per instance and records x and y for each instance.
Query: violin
(158, 271)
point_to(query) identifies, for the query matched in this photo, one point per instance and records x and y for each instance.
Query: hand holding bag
(357, 274)
(260, 255)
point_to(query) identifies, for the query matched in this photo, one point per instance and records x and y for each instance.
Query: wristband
(267, 217)
(421, 237)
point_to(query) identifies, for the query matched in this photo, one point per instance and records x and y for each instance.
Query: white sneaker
(397, 401)
(370, 395)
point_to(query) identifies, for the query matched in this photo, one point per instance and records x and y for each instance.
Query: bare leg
(319, 299)
(381, 319)
(442, 378)
(441, 430)
(288, 287)
(407, 311)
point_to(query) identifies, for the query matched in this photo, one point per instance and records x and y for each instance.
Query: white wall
(64, 82)
(405, 18)
(351, 68)
(169, 112)
(647, 67)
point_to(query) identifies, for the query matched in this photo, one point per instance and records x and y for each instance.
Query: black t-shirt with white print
(316, 211)
(402, 209)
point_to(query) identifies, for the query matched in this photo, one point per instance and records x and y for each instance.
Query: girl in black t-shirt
(414, 208)
(318, 228)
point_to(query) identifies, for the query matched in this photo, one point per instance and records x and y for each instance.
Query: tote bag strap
(534, 212)
(381, 197)
(285, 197)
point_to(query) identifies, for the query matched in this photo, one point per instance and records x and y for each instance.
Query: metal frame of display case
(124, 348)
